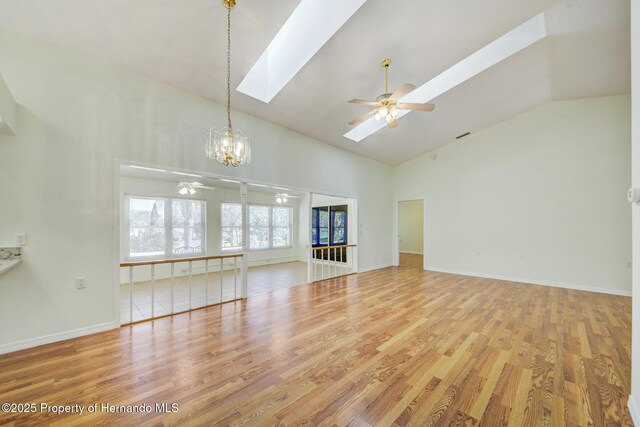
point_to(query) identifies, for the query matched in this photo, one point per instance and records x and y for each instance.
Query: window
(259, 226)
(329, 226)
(159, 227)
(231, 221)
(281, 227)
(269, 226)
(338, 227)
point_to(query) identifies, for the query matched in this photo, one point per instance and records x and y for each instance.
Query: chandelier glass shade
(228, 146)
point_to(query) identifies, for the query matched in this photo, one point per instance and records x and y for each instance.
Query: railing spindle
(172, 280)
(206, 282)
(131, 294)
(153, 289)
(221, 277)
(190, 280)
(235, 268)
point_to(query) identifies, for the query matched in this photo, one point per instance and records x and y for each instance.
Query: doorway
(411, 233)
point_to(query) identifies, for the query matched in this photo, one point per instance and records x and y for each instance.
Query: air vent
(463, 135)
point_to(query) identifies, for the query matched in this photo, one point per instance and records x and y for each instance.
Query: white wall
(411, 226)
(634, 401)
(537, 198)
(78, 116)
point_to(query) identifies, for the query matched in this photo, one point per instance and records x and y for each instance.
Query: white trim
(59, 336)
(533, 282)
(375, 267)
(411, 252)
(633, 409)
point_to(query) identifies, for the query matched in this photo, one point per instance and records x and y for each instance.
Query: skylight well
(308, 28)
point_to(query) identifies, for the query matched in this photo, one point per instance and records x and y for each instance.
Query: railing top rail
(319, 248)
(175, 260)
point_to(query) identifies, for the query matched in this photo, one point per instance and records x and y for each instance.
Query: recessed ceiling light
(186, 174)
(308, 28)
(514, 41)
(229, 180)
(146, 168)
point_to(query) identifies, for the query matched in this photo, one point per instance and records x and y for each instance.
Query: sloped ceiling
(183, 43)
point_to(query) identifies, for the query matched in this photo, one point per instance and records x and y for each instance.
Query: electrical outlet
(81, 283)
(21, 239)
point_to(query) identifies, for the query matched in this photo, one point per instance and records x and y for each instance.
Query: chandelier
(228, 146)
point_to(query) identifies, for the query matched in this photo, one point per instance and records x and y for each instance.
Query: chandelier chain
(229, 67)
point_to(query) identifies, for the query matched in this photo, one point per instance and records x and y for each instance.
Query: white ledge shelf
(8, 264)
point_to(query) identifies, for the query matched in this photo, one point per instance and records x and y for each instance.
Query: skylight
(514, 41)
(308, 28)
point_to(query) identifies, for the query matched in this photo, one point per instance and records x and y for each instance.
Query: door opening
(411, 233)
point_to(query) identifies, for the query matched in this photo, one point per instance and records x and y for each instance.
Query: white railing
(328, 262)
(154, 296)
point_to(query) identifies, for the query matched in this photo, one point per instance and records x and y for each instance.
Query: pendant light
(228, 146)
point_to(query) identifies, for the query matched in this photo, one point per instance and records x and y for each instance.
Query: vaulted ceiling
(183, 43)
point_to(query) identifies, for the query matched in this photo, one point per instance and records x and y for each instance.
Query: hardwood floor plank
(392, 347)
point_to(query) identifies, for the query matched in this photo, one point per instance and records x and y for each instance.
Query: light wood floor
(397, 346)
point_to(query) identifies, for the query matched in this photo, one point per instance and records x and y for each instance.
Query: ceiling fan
(284, 197)
(386, 106)
(190, 188)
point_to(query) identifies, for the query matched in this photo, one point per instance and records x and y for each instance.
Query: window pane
(231, 238)
(259, 237)
(146, 212)
(339, 219)
(314, 236)
(281, 217)
(146, 241)
(324, 236)
(314, 218)
(324, 218)
(188, 241)
(188, 226)
(231, 231)
(281, 237)
(259, 216)
(231, 215)
(339, 235)
(187, 213)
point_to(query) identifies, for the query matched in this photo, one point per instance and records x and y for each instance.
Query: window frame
(271, 246)
(315, 211)
(232, 249)
(168, 229)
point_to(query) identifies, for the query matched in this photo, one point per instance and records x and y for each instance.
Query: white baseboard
(375, 267)
(412, 253)
(534, 282)
(59, 336)
(633, 409)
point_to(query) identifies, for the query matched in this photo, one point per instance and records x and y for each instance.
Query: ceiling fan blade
(392, 124)
(363, 102)
(402, 91)
(415, 107)
(362, 118)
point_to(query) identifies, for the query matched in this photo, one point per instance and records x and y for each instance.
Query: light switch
(21, 239)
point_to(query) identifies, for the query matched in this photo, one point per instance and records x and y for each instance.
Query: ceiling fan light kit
(386, 105)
